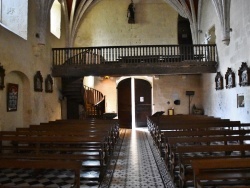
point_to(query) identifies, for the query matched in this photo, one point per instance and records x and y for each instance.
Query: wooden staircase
(91, 100)
(74, 91)
(94, 103)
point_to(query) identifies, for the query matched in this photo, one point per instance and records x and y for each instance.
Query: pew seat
(221, 172)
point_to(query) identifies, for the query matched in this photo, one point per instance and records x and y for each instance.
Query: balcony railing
(134, 54)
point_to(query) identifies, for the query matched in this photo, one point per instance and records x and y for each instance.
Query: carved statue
(131, 13)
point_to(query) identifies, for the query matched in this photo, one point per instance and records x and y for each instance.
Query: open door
(124, 103)
(143, 106)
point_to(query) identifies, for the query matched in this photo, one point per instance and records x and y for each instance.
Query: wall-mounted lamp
(2, 74)
(177, 102)
(131, 13)
(106, 77)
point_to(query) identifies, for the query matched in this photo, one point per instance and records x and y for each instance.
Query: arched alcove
(22, 116)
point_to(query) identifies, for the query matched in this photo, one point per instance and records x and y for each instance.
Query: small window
(55, 19)
(14, 16)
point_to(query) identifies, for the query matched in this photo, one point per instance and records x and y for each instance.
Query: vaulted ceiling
(190, 9)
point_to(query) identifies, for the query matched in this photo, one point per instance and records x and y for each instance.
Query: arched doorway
(134, 93)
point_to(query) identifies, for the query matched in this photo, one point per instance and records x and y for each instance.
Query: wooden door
(143, 106)
(72, 110)
(72, 107)
(124, 103)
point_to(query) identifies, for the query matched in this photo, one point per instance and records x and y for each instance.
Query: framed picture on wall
(38, 82)
(12, 97)
(240, 101)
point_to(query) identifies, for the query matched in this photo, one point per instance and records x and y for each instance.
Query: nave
(136, 163)
(139, 163)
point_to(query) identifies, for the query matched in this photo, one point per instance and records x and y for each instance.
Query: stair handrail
(94, 102)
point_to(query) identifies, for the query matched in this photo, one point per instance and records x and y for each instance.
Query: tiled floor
(136, 164)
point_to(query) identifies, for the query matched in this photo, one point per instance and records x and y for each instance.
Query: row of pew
(81, 146)
(203, 151)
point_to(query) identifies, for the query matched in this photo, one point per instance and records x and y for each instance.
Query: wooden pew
(172, 132)
(233, 171)
(111, 134)
(163, 146)
(77, 143)
(186, 154)
(41, 164)
(188, 122)
(182, 123)
(174, 142)
(94, 140)
(45, 157)
(92, 125)
(197, 125)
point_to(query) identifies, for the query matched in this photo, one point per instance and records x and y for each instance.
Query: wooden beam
(126, 69)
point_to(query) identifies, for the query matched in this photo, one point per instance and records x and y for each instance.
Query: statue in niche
(230, 78)
(38, 84)
(49, 84)
(244, 76)
(38, 81)
(218, 81)
(131, 13)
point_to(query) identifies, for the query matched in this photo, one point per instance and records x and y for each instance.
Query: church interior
(121, 78)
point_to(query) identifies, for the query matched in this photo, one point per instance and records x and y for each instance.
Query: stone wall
(167, 89)
(107, 24)
(223, 103)
(21, 60)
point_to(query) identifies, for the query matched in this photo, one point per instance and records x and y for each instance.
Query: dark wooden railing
(134, 54)
(94, 103)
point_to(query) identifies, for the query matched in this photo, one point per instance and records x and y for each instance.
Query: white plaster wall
(21, 59)
(164, 89)
(108, 89)
(223, 103)
(106, 24)
(169, 88)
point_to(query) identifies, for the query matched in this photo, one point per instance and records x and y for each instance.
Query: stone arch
(21, 117)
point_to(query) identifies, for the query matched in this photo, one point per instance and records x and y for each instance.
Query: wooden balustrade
(134, 60)
(134, 54)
